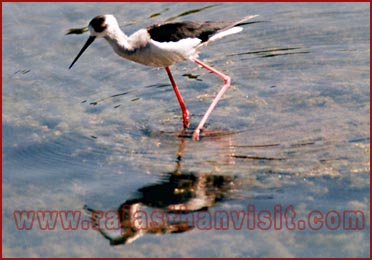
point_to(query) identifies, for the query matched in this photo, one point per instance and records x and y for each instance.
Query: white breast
(163, 54)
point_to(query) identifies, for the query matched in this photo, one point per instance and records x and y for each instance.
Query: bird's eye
(98, 24)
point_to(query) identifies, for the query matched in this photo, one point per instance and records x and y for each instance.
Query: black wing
(176, 31)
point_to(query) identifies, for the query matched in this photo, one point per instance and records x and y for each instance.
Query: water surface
(293, 130)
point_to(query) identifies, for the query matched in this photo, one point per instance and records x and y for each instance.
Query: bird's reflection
(166, 205)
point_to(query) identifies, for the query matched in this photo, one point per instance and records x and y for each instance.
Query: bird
(165, 44)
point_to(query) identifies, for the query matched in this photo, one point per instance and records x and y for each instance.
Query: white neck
(118, 40)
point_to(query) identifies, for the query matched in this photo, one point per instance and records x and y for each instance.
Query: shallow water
(291, 134)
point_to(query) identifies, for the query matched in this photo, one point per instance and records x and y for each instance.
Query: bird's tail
(243, 21)
(233, 28)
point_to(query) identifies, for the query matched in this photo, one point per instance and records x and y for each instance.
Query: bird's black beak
(86, 45)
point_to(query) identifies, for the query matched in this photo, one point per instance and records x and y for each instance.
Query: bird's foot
(186, 119)
(196, 134)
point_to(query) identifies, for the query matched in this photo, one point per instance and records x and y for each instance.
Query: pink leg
(227, 81)
(185, 113)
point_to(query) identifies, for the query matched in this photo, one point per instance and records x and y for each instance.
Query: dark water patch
(283, 54)
(256, 146)
(360, 140)
(272, 52)
(159, 13)
(159, 85)
(25, 71)
(94, 103)
(192, 76)
(77, 30)
(254, 157)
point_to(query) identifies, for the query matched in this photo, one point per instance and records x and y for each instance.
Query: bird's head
(99, 27)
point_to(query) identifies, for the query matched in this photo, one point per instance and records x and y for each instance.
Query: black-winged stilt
(162, 45)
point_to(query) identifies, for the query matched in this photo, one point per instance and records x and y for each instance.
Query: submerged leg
(226, 80)
(185, 113)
